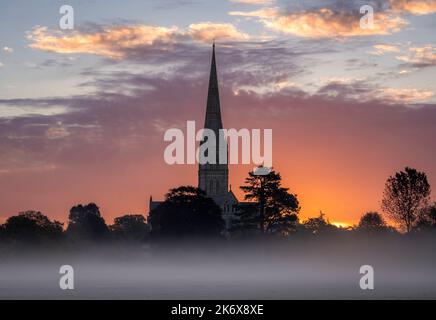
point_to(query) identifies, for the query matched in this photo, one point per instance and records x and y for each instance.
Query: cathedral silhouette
(214, 178)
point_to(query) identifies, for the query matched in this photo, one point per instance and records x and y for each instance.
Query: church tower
(214, 178)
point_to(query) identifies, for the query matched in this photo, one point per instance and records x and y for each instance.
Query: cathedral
(214, 178)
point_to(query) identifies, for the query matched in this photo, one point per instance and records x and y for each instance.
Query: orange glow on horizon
(341, 224)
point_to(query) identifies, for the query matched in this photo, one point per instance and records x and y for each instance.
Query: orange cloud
(386, 48)
(415, 7)
(381, 49)
(107, 42)
(324, 23)
(112, 41)
(420, 56)
(208, 31)
(405, 95)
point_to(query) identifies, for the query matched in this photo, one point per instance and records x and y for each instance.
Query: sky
(83, 112)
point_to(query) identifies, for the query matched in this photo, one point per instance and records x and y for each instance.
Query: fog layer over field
(314, 269)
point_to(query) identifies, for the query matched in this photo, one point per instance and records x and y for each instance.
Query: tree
(319, 225)
(187, 211)
(372, 222)
(2, 232)
(85, 222)
(247, 217)
(32, 226)
(277, 209)
(405, 195)
(131, 227)
(427, 218)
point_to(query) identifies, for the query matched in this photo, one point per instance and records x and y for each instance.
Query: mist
(312, 268)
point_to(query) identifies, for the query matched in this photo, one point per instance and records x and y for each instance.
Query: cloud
(266, 13)
(404, 71)
(360, 90)
(339, 20)
(57, 132)
(108, 41)
(381, 49)
(253, 1)
(415, 7)
(208, 31)
(1, 64)
(386, 48)
(11, 109)
(114, 41)
(8, 49)
(405, 95)
(323, 22)
(346, 89)
(420, 56)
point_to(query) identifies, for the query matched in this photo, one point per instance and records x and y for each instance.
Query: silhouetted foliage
(32, 226)
(405, 195)
(426, 219)
(319, 225)
(130, 227)
(86, 223)
(187, 211)
(2, 232)
(248, 219)
(271, 209)
(276, 210)
(372, 222)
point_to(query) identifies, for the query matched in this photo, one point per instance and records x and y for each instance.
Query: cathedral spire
(214, 177)
(213, 110)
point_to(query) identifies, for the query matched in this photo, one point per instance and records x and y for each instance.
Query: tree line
(85, 224)
(270, 209)
(405, 202)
